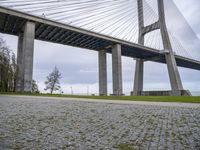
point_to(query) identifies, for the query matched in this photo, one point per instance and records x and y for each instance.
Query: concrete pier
(20, 63)
(102, 73)
(117, 70)
(25, 58)
(138, 81)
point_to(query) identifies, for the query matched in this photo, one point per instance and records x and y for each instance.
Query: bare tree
(52, 83)
(8, 68)
(13, 73)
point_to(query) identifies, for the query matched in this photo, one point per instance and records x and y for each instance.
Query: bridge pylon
(174, 76)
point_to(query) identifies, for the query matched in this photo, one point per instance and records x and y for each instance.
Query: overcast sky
(79, 67)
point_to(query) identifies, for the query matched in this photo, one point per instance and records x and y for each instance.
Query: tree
(52, 83)
(8, 68)
(35, 88)
(13, 71)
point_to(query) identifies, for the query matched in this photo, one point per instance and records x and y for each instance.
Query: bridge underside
(12, 22)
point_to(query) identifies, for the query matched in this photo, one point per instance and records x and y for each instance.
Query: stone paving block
(34, 123)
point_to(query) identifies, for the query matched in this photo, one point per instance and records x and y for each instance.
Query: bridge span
(29, 27)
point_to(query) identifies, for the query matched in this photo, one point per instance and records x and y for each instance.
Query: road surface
(84, 124)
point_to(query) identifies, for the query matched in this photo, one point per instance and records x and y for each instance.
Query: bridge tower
(175, 80)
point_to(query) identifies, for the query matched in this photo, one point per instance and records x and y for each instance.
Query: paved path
(82, 124)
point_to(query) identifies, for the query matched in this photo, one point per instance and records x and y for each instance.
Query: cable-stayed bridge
(132, 28)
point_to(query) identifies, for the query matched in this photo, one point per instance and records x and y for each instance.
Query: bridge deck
(12, 22)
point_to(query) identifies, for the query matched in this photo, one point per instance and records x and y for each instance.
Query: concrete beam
(117, 70)
(102, 73)
(25, 58)
(151, 27)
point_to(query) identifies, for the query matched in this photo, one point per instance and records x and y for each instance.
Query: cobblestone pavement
(47, 123)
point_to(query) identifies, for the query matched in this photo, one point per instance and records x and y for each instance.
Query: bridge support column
(20, 77)
(117, 70)
(25, 58)
(174, 76)
(102, 73)
(139, 67)
(138, 81)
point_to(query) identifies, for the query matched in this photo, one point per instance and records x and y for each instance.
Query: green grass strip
(185, 99)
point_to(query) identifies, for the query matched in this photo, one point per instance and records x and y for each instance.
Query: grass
(124, 147)
(185, 99)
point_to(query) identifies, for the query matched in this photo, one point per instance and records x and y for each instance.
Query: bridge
(29, 27)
